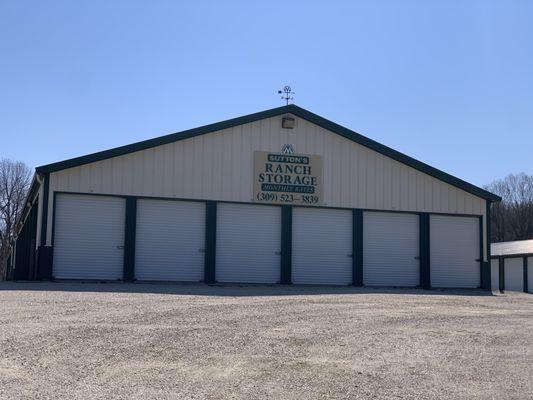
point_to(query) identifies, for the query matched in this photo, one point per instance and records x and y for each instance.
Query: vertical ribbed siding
(514, 274)
(219, 166)
(170, 240)
(454, 252)
(248, 243)
(321, 246)
(390, 255)
(89, 237)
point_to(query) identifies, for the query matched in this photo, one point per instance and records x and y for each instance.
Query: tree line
(511, 219)
(15, 178)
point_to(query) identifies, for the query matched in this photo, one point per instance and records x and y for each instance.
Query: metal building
(512, 266)
(280, 196)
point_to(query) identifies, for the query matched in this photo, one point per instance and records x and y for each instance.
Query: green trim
(210, 242)
(517, 255)
(357, 247)
(424, 251)
(286, 245)
(484, 272)
(45, 255)
(488, 233)
(501, 271)
(526, 289)
(264, 204)
(26, 254)
(130, 227)
(44, 217)
(292, 109)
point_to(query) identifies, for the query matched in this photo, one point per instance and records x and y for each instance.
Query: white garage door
(321, 246)
(514, 274)
(390, 249)
(89, 237)
(495, 274)
(170, 240)
(454, 248)
(248, 243)
(530, 274)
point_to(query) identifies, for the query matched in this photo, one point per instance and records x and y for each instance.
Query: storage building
(280, 196)
(512, 266)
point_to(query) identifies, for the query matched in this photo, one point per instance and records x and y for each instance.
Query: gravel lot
(133, 341)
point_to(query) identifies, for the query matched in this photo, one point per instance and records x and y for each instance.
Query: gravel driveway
(133, 341)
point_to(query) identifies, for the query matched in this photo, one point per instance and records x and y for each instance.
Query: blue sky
(447, 82)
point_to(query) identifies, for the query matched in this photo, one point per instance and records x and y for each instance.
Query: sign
(287, 149)
(287, 178)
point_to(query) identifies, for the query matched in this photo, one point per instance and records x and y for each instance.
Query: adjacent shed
(512, 266)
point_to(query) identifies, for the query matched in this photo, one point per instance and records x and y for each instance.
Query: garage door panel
(390, 249)
(322, 246)
(514, 274)
(170, 240)
(454, 249)
(88, 237)
(248, 243)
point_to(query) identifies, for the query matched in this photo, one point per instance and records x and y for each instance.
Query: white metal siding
(321, 246)
(219, 166)
(390, 249)
(89, 237)
(454, 248)
(170, 240)
(514, 274)
(530, 274)
(248, 243)
(495, 274)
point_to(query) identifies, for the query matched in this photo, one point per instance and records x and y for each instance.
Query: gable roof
(292, 109)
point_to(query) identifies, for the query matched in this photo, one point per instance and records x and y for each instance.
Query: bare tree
(512, 218)
(14, 185)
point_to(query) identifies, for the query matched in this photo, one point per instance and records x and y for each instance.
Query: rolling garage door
(248, 244)
(88, 237)
(495, 274)
(170, 240)
(390, 249)
(513, 269)
(321, 246)
(454, 249)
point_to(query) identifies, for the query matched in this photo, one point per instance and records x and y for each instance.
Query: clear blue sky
(447, 82)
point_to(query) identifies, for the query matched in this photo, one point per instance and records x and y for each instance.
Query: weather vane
(287, 93)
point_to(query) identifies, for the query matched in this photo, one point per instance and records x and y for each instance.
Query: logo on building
(287, 149)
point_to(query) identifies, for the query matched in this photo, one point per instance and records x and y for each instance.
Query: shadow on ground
(227, 290)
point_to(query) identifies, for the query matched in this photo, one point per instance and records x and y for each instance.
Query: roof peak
(288, 108)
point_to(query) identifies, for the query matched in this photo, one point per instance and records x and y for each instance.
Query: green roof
(292, 109)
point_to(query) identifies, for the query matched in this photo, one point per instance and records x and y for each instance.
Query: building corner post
(486, 266)
(44, 252)
(526, 288)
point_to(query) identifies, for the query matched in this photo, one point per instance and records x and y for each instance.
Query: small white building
(280, 196)
(512, 266)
